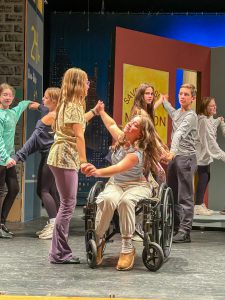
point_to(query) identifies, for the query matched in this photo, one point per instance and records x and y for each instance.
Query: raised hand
(99, 107)
(162, 97)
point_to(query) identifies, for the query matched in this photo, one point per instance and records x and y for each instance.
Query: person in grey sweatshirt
(183, 163)
(207, 149)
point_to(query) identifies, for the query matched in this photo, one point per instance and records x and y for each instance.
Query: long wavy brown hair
(149, 142)
(139, 101)
(202, 110)
(73, 89)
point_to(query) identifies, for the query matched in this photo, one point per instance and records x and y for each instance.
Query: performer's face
(46, 100)
(211, 108)
(132, 129)
(149, 95)
(185, 98)
(87, 86)
(6, 98)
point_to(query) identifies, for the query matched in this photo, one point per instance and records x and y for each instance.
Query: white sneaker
(209, 210)
(45, 228)
(47, 234)
(202, 210)
(137, 238)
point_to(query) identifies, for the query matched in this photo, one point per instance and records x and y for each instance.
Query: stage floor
(193, 271)
(216, 220)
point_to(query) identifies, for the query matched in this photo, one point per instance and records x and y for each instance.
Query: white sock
(127, 245)
(52, 220)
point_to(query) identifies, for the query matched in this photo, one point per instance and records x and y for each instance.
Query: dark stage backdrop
(87, 41)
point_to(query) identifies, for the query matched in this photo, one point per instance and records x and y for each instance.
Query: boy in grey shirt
(183, 164)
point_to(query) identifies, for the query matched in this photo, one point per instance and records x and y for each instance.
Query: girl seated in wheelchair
(136, 152)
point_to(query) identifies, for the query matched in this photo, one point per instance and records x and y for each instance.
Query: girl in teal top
(8, 120)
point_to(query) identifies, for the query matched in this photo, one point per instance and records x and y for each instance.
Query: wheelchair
(157, 226)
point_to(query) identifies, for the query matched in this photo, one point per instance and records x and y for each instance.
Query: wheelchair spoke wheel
(152, 257)
(89, 235)
(162, 190)
(95, 191)
(167, 222)
(91, 254)
(158, 225)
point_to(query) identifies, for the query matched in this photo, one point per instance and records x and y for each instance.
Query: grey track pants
(180, 178)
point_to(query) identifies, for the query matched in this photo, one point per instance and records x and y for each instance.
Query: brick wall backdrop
(12, 64)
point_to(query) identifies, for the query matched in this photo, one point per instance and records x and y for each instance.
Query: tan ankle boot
(126, 261)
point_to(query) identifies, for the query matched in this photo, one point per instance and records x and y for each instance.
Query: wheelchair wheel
(91, 253)
(95, 191)
(167, 222)
(89, 208)
(152, 257)
(162, 190)
(89, 235)
(157, 226)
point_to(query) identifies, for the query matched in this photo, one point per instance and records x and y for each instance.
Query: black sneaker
(175, 231)
(6, 229)
(182, 237)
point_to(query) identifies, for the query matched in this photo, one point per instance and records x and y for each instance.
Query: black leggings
(203, 180)
(8, 177)
(46, 188)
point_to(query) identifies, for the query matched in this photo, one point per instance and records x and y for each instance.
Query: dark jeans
(180, 177)
(8, 177)
(46, 188)
(203, 180)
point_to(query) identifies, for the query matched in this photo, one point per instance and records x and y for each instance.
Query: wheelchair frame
(157, 226)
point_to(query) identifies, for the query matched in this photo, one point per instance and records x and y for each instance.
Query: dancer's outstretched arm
(110, 124)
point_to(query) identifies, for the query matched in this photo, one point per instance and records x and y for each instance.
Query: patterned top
(63, 152)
